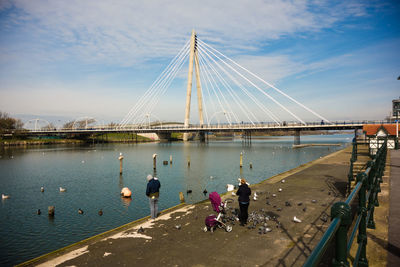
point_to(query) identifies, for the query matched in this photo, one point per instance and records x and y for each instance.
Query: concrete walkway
(394, 210)
(176, 238)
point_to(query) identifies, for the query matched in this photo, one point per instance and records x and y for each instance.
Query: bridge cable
(262, 91)
(153, 87)
(156, 86)
(165, 85)
(250, 95)
(234, 115)
(265, 82)
(215, 92)
(262, 107)
(233, 94)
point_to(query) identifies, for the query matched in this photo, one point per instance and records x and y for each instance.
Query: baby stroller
(213, 221)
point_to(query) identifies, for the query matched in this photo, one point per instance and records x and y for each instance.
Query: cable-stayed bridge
(229, 98)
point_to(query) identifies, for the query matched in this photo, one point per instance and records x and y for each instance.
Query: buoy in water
(80, 211)
(38, 212)
(125, 192)
(42, 189)
(100, 212)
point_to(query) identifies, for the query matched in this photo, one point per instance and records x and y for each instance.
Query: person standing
(244, 193)
(153, 192)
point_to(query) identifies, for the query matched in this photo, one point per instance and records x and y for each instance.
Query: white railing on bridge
(213, 127)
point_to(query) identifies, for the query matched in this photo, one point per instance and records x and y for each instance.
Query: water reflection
(126, 201)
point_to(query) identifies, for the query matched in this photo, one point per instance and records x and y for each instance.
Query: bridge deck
(204, 128)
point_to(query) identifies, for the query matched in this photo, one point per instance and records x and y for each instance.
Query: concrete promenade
(176, 237)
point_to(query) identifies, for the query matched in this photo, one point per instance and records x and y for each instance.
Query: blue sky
(61, 60)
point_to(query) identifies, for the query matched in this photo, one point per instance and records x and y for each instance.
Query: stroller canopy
(215, 201)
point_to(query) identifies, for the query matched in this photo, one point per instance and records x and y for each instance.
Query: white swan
(4, 196)
(62, 189)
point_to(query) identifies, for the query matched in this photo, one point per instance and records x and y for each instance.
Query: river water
(91, 177)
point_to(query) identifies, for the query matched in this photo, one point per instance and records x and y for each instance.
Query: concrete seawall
(176, 237)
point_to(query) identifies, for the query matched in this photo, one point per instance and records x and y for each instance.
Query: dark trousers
(244, 207)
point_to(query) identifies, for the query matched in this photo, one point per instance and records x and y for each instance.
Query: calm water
(91, 176)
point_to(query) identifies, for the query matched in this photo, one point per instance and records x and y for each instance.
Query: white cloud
(127, 32)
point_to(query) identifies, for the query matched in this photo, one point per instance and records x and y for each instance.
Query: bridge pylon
(193, 58)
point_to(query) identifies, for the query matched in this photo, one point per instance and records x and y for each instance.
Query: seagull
(255, 196)
(295, 219)
(62, 189)
(4, 196)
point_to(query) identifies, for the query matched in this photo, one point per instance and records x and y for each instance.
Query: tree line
(8, 123)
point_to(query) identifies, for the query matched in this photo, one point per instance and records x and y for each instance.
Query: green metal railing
(367, 189)
(352, 160)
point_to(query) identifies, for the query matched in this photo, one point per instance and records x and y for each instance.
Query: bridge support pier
(202, 136)
(297, 137)
(164, 137)
(246, 137)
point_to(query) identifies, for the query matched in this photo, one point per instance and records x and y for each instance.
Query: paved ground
(394, 210)
(176, 238)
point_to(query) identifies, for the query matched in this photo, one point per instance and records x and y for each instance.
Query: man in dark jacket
(153, 192)
(244, 193)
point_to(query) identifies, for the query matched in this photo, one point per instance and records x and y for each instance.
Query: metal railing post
(343, 211)
(362, 229)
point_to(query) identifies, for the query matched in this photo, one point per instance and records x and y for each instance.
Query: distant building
(377, 133)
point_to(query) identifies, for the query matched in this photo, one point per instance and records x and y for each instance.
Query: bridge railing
(367, 189)
(269, 125)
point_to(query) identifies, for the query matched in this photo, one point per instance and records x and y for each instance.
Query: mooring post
(362, 228)
(170, 159)
(154, 161)
(120, 162)
(51, 210)
(297, 137)
(241, 159)
(343, 211)
(181, 197)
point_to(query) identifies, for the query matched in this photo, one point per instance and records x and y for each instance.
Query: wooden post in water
(51, 211)
(241, 159)
(181, 197)
(154, 161)
(188, 162)
(120, 162)
(170, 159)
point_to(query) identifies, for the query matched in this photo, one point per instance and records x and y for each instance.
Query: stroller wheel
(228, 228)
(205, 229)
